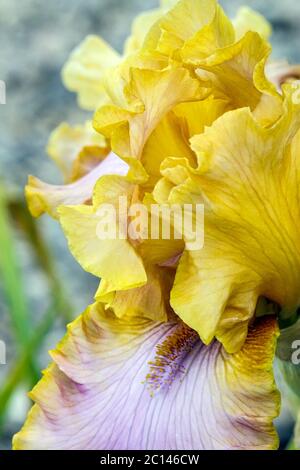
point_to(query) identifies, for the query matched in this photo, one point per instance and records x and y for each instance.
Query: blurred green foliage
(28, 337)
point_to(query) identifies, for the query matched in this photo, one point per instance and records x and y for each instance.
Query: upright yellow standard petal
(179, 25)
(237, 72)
(250, 20)
(216, 34)
(85, 69)
(67, 142)
(154, 93)
(141, 25)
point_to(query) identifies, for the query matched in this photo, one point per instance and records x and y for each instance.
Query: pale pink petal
(134, 384)
(43, 197)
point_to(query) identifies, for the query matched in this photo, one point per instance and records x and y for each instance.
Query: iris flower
(178, 350)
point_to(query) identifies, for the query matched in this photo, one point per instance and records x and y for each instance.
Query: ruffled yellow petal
(250, 192)
(153, 93)
(237, 72)
(182, 23)
(216, 34)
(117, 81)
(85, 68)
(170, 138)
(111, 258)
(67, 142)
(197, 115)
(141, 25)
(149, 301)
(250, 20)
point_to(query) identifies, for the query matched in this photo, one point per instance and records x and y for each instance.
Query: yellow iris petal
(111, 258)
(168, 139)
(217, 34)
(251, 233)
(66, 144)
(155, 93)
(85, 69)
(185, 69)
(148, 301)
(182, 23)
(141, 25)
(197, 115)
(250, 20)
(237, 72)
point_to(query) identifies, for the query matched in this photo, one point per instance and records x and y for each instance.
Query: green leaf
(31, 230)
(19, 371)
(11, 277)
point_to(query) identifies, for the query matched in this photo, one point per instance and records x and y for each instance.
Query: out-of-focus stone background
(36, 37)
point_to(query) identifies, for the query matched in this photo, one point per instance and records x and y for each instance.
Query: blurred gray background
(36, 37)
